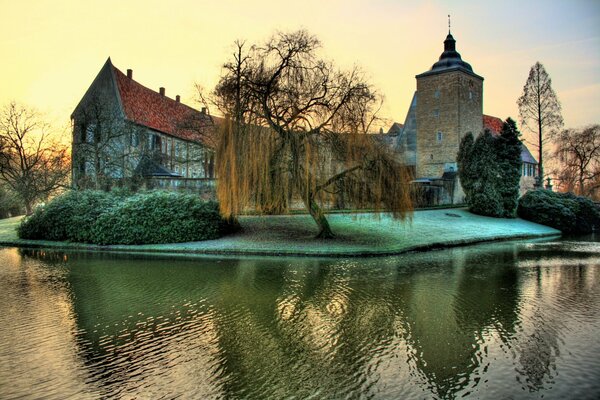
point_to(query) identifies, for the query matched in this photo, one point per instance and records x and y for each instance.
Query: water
(505, 320)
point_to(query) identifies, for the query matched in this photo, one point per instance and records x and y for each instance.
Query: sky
(52, 50)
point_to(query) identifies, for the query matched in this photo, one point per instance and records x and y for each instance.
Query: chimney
(161, 91)
(203, 110)
(177, 98)
(130, 73)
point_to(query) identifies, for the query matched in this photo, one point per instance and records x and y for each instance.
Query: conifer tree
(489, 169)
(508, 153)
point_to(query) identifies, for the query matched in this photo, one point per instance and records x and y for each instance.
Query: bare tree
(578, 152)
(296, 130)
(33, 163)
(540, 110)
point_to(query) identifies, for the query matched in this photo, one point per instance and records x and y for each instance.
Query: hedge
(117, 218)
(159, 217)
(563, 211)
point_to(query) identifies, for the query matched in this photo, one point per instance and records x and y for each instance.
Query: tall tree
(489, 168)
(579, 155)
(33, 162)
(540, 110)
(296, 131)
(508, 155)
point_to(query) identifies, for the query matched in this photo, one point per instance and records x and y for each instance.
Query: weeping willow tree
(296, 131)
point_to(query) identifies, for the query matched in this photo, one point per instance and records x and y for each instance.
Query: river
(500, 320)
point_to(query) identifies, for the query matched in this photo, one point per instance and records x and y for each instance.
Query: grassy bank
(357, 235)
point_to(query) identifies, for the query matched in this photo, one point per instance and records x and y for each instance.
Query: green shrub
(159, 217)
(563, 211)
(119, 218)
(489, 168)
(70, 216)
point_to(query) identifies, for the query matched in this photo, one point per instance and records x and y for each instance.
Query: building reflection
(257, 328)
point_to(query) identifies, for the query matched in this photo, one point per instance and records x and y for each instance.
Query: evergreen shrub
(118, 218)
(489, 168)
(159, 217)
(563, 211)
(69, 216)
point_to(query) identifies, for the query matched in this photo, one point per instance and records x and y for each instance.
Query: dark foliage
(67, 217)
(563, 211)
(508, 156)
(119, 218)
(489, 169)
(159, 217)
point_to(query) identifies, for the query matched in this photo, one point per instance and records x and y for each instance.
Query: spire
(449, 33)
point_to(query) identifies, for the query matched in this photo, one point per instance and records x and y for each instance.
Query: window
(183, 170)
(440, 137)
(135, 139)
(169, 147)
(176, 149)
(163, 148)
(436, 113)
(89, 133)
(436, 94)
(470, 95)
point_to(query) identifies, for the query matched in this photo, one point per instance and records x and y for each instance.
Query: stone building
(447, 105)
(127, 134)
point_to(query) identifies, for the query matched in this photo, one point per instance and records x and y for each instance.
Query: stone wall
(449, 106)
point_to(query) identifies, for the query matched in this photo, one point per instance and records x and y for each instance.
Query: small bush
(563, 211)
(116, 218)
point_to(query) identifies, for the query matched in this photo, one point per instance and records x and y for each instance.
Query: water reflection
(494, 321)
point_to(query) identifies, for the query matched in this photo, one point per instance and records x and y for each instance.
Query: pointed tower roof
(450, 60)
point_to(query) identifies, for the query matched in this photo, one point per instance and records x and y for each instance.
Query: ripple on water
(484, 322)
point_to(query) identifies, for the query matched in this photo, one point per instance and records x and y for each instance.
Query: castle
(125, 131)
(447, 105)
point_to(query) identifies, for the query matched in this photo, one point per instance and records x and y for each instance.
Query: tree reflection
(274, 328)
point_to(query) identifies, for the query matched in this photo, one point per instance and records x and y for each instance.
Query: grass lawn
(356, 235)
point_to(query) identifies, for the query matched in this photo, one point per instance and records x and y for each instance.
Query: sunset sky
(52, 50)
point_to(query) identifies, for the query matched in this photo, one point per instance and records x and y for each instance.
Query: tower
(449, 105)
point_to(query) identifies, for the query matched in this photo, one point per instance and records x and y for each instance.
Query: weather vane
(448, 23)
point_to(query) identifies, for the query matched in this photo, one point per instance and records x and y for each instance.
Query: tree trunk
(317, 214)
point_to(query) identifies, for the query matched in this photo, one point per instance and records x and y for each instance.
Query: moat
(501, 320)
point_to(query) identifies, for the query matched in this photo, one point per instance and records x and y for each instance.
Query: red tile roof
(149, 108)
(494, 124)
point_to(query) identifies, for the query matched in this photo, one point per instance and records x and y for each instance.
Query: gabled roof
(148, 108)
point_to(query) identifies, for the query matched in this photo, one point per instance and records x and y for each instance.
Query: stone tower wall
(449, 102)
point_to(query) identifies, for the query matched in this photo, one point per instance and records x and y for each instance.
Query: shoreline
(357, 235)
